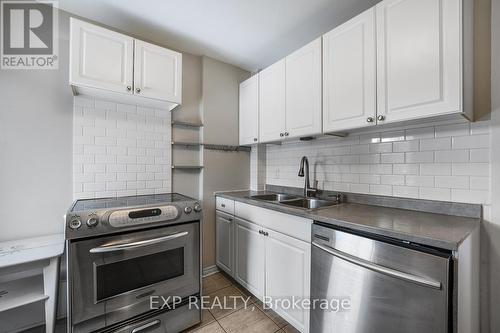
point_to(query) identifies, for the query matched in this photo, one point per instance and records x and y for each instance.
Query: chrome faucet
(308, 190)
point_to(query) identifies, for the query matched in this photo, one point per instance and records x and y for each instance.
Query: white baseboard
(210, 270)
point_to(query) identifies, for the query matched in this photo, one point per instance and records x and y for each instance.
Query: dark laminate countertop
(438, 230)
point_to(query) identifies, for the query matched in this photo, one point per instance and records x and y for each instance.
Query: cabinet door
(419, 70)
(224, 238)
(288, 273)
(249, 251)
(100, 58)
(157, 72)
(249, 111)
(303, 91)
(272, 102)
(349, 74)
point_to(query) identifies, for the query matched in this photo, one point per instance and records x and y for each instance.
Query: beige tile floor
(237, 319)
(253, 319)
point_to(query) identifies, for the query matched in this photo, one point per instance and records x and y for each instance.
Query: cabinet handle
(138, 90)
(286, 133)
(282, 135)
(369, 120)
(254, 139)
(223, 205)
(261, 232)
(381, 118)
(129, 88)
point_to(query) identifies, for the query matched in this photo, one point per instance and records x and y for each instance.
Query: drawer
(291, 225)
(225, 205)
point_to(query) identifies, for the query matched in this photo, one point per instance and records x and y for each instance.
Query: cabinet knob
(138, 90)
(282, 135)
(286, 133)
(254, 139)
(129, 88)
(369, 120)
(381, 118)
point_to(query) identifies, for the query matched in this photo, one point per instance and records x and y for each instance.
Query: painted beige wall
(223, 170)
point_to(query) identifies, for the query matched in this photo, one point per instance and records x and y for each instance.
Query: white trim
(210, 270)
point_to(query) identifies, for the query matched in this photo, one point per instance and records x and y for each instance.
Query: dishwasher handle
(380, 269)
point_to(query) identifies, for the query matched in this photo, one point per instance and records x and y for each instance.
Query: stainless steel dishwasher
(386, 285)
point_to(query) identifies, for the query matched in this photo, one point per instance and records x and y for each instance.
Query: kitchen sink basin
(309, 203)
(274, 197)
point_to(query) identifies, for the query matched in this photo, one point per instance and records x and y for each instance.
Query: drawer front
(291, 225)
(225, 205)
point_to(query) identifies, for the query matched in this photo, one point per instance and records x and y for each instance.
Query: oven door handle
(133, 245)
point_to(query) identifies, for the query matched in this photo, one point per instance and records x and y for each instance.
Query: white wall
(492, 228)
(35, 147)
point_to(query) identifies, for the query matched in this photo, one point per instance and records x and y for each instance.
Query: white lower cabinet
(249, 254)
(224, 229)
(267, 253)
(287, 277)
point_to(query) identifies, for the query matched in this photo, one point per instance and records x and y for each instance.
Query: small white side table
(29, 272)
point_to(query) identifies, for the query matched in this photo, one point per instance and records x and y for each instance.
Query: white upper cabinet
(249, 111)
(303, 91)
(349, 74)
(101, 58)
(107, 65)
(157, 72)
(419, 55)
(272, 102)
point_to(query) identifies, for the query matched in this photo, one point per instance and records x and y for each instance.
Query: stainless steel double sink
(295, 201)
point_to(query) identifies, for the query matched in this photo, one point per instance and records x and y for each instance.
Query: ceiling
(250, 34)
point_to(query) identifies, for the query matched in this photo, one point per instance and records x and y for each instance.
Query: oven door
(113, 277)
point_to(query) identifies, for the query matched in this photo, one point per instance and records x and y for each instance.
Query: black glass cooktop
(123, 202)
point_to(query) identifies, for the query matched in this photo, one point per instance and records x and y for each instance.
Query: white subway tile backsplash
(385, 147)
(405, 169)
(471, 169)
(381, 189)
(470, 142)
(437, 162)
(419, 157)
(456, 156)
(480, 183)
(392, 179)
(406, 146)
(452, 130)
(419, 133)
(392, 158)
(480, 155)
(470, 196)
(480, 127)
(109, 149)
(435, 144)
(452, 182)
(405, 191)
(430, 193)
(420, 181)
(435, 169)
(392, 136)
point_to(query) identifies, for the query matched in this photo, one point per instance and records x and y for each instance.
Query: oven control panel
(131, 217)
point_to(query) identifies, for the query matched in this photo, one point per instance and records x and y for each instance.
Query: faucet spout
(304, 172)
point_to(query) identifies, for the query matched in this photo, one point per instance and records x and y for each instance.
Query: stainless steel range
(123, 251)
